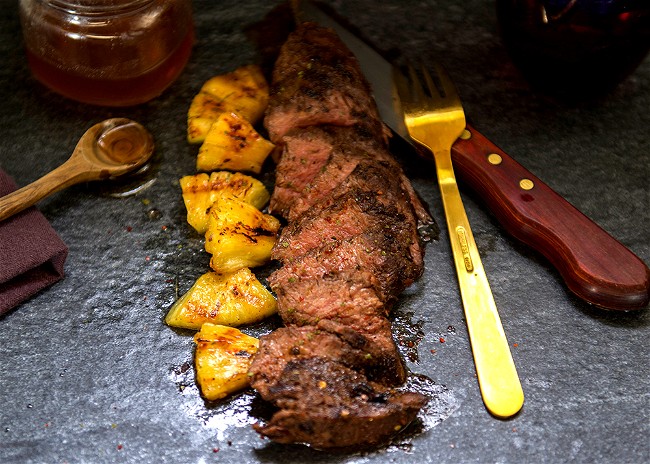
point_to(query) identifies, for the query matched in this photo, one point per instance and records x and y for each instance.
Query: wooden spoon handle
(594, 265)
(69, 173)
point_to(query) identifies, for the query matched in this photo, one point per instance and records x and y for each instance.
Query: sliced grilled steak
(328, 405)
(350, 248)
(317, 81)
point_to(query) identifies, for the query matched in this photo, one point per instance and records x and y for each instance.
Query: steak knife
(593, 264)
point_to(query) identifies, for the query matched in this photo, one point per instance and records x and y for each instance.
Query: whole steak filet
(349, 249)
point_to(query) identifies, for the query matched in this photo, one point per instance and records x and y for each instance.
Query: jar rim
(97, 6)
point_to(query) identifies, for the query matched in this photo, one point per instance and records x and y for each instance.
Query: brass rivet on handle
(466, 135)
(526, 184)
(494, 159)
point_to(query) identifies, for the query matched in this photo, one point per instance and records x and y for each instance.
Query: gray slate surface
(90, 374)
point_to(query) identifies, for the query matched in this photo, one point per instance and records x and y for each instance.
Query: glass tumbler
(107, 52)
(576, 48)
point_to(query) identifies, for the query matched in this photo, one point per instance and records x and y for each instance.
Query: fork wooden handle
(497, 376)
(594, 265)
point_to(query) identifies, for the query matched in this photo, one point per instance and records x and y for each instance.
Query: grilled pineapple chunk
(232, 143)
(239, 235)
(201, 190)
(226, 299)
(244, 91)
(222, 358)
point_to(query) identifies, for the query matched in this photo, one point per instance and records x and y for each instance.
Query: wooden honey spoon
(109, 149)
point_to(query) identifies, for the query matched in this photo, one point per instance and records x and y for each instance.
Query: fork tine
(446, 84)
(434, 91)
(417, 91)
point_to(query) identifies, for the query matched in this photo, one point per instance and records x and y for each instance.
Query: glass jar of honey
(107, 52)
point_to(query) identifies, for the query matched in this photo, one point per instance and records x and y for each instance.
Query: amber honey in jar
(107, 52)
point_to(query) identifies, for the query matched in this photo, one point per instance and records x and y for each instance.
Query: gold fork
(434, 117)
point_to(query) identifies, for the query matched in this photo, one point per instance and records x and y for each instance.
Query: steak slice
(331, 406)
(347, 305)
(319, 155)
(304, 155)
(374, 178)
(317, 81)
(373, 165)
(351, 214)
(327, 341)
(337, 176)
(374, 252)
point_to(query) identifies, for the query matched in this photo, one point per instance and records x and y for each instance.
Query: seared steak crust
(328, 405)
(317, 81)
(349, 249)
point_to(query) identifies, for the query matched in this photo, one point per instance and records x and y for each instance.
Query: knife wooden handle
(594, 265)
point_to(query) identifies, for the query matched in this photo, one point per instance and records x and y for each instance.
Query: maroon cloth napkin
(31, 253)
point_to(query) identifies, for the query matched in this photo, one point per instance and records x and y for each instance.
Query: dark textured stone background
(89, 373)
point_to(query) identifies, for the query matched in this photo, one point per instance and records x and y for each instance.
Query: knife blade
(594, 265)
